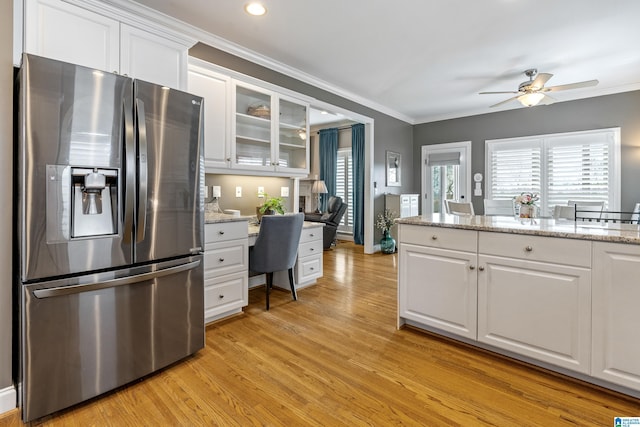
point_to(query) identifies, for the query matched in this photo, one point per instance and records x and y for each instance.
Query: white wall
(7, 393)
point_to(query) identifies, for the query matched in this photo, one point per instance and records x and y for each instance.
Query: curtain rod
(342, 128)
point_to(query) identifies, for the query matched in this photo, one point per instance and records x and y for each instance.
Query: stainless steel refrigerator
(110, 231)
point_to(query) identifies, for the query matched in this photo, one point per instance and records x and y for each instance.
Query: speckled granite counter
(211, 218)
(607, 232)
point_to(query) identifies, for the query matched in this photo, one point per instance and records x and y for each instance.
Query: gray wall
(6, 138)
(620, 110)
(389, 133)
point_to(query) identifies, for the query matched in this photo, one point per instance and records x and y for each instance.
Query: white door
(446, 174)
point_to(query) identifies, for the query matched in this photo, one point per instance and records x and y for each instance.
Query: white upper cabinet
(152, 58)
(215, 88)
(269, 131)
(66, 32)
(62, 31)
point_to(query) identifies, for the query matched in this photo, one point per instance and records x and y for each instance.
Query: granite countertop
(211, 218)
(585, 230)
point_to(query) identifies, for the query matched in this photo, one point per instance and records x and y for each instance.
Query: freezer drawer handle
(76, 289)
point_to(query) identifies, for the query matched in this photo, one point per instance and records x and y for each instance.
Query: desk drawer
(310, 248)
(309, 268)
(311, 234)
(224, 291)
(224, 231)
(224, 258)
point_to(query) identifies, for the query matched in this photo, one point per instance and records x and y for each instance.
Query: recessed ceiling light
(255, 9)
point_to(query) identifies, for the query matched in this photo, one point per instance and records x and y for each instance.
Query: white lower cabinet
(438, 279)
(226, 264)
(616, 319)
(308, 267)
(533, 301)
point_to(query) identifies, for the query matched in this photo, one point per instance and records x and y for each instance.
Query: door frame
(464, 148)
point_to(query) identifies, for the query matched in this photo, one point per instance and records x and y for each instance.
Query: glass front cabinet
(269, 131)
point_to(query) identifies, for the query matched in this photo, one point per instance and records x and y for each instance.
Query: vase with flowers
(384, 222)
(527, 203)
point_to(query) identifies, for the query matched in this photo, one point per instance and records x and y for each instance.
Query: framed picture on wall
(394, 167)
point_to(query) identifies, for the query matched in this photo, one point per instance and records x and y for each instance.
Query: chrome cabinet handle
(220, 296)
(221, 232)
(434, 237)
(472, 267)
(528, 248)
(221, 259)
(481, 268)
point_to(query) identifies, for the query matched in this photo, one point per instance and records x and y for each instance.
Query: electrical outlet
(260, 191)
(216, 191)
(238, 191)
(284, 191)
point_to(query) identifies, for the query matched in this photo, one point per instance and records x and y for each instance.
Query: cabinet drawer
(225, 291)
(224, 258)
(309, 268)
(439, 237)
(311, 234)
(223, 231)
(536, 248)
(310, 248)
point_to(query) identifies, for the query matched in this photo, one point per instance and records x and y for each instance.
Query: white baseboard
(7, 399)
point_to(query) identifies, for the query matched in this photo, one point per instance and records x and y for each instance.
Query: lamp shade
(530, 99)
(319, 187)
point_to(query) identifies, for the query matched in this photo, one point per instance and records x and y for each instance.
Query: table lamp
(319, 188)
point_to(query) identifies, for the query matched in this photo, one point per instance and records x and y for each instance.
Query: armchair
(331, 219)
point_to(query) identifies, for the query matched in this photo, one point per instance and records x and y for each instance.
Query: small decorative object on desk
(384, 223)
(527, 203)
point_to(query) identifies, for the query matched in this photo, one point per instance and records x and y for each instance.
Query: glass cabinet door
(292, 135)
(252, 128)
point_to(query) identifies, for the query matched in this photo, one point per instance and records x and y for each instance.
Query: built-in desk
(226, 263)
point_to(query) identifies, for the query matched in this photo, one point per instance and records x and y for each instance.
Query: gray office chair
(276, 248)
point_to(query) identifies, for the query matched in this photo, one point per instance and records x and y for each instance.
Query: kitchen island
(559, 294)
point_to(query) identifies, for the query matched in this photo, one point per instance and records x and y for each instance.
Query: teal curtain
(328, 162)
(357, 157)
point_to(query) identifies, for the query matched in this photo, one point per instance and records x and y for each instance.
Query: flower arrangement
(527, 198)
(386, 220)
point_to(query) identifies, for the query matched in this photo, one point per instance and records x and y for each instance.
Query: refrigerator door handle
(76, 289)
(130, 171)
(142, 171)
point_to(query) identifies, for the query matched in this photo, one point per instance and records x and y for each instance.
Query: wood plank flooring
(335, 358)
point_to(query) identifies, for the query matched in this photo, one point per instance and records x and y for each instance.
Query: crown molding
(141, 15)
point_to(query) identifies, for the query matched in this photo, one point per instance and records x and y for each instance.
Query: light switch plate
(260, 191)
(238, 191)
(284, 191)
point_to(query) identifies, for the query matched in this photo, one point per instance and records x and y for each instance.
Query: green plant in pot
(270, 206)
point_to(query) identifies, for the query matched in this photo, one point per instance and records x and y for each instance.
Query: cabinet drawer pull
(481, 268)
(311, 235)
(311, 268)
(472, 267)
(528, 248)
(221, 259)
(220, 296)
(434, 237)
(221, 232)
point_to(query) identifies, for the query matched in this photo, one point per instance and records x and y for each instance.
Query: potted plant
(385, 221)
(270, 206)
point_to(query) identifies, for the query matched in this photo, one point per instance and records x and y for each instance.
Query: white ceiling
(426, 60)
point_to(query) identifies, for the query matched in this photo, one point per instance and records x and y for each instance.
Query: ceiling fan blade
(578, 85)
(540, 80)
(505, 101)
(496, 93)
(547, 100)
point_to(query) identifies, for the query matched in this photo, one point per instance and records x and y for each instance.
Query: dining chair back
(276, 248)
(499, 207)
(460, 208)
(586, 209)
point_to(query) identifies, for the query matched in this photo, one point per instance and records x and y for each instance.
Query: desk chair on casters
(276, 248)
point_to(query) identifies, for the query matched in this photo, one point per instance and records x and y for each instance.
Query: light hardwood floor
(335, 358)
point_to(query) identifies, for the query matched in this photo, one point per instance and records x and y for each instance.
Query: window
(575, 165)
(344, 187)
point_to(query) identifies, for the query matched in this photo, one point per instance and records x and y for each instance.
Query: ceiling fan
(533, 92)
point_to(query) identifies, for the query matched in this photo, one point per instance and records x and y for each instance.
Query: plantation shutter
(515, 168)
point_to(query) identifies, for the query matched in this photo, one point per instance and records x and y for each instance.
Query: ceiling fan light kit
(532, 92)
